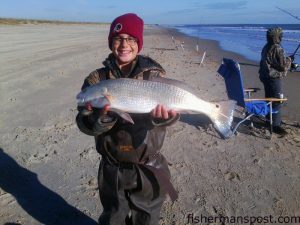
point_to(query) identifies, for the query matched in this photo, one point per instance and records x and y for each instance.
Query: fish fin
(123, 115)
(223, 117)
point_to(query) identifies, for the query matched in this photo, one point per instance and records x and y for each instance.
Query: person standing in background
(274, 65)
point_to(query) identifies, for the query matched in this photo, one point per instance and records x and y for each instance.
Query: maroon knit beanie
(129, 24)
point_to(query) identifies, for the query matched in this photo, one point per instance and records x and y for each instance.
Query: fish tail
(223, 116)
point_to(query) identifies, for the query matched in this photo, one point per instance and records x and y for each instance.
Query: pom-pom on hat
(129, 24)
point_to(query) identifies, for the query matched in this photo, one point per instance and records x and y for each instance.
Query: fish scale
(146, 95)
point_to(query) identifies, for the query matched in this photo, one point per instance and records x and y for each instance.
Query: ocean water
(245, 39)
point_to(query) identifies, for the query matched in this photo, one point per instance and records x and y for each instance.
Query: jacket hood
(274, 35)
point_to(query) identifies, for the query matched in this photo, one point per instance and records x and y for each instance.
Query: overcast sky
(156, 11)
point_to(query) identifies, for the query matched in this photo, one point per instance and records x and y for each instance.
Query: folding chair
(261, 107)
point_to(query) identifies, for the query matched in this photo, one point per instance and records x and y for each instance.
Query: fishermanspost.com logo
(191, 218)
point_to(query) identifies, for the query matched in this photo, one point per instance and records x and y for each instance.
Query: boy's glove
(93, 121)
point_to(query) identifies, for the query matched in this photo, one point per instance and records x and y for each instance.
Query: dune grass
(13, 21)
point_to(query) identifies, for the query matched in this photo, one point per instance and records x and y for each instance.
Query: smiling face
(124, 48)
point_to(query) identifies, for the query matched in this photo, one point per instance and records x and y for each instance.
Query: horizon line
(12, 20)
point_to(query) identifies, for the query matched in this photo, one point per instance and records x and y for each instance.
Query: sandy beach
(48, 168)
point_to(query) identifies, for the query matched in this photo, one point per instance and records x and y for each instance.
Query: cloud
(227, 5)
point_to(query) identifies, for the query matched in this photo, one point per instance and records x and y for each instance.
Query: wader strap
(109, 186)
(163, 180)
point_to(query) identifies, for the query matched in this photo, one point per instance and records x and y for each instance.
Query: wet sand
(48, 168)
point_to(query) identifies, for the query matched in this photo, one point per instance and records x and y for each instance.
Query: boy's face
(124, 48)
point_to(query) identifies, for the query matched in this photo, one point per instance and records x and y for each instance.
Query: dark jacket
(115, 138)
(273, 62)
(124, 144)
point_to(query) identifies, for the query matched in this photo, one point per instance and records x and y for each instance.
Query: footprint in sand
(88, 186)
(200, 199)
(89, 153)
(39, 157)
(232, 176)
(6, 199)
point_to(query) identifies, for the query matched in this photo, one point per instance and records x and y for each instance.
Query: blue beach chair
(230, 71)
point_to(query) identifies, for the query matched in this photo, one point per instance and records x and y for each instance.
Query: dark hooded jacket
(124, 144)
(116, 138)
(273, 62)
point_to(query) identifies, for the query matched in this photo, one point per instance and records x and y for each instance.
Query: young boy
(133, 176)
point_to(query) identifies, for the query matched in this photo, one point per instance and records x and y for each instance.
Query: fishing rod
(296, 50)
(296, 17)
(294, 66)
(287, 12)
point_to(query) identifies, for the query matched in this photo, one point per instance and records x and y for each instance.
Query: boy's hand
(88, 109)
(104, 110)
(160, 112)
